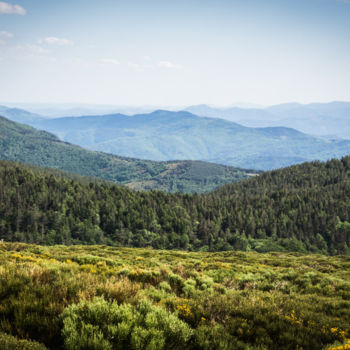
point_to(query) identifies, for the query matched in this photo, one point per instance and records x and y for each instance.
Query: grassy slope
(230, 300)
(25, 144)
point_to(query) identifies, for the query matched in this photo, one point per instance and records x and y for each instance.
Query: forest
(303, 208)
(104, 298)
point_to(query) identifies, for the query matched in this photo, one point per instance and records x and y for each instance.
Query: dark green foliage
(25, 144)
(303, 208)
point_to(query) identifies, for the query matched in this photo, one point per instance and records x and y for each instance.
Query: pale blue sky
(174, 52)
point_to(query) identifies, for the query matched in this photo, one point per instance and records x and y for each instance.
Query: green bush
(190, 287)
(165, 286)
(103, 325)
(176, 281)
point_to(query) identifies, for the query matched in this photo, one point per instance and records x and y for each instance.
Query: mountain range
(165, 135)
(323, 119)
(19, 115)
(259, 138)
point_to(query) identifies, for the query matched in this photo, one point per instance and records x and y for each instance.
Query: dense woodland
(303, 208)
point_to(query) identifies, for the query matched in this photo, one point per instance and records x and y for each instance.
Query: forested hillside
(25, 144)
(301, 208)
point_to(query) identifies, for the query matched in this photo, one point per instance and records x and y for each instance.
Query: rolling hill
(25, 144)
(164, 135)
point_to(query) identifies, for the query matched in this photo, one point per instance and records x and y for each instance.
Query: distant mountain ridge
(19, 115)
(164, 135)
(322, 119)
(316, 118)
(23, 143)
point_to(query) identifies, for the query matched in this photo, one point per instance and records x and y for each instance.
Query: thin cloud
(6, 35)
(110, 61)
(169, 65)
(23, 51)
(51, 40)
(134, 65)
(9, 9)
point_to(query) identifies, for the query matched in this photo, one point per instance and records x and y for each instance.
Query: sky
(174, 52)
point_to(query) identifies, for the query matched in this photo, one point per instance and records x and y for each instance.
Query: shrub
(190, 287)
(101, 325)
(165, 286)
(176, 281)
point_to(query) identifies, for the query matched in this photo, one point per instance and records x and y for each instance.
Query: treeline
(300, 208)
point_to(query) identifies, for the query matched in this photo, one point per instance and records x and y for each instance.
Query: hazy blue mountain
(164, 135)
(19, 115)
(317, 118)
(321, 119)
(57, 110)
(252, 117)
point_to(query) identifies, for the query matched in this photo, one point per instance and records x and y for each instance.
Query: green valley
(23, 143)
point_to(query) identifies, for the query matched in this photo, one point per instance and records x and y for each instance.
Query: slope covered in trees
(301, 208)
(25, 144)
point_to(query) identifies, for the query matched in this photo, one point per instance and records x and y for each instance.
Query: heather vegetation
(100, 297)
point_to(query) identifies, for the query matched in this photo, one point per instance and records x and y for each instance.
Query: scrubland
(100, 297)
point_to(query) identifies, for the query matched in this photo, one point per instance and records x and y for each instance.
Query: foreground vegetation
(23, 143)
(100, 297)
(303, 208)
